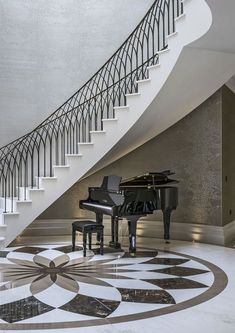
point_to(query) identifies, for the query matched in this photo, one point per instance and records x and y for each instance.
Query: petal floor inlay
(30, 249)
(58, 279)
(177, 283)
(91, 306)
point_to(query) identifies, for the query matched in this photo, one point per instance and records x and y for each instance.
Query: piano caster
(167, 242)
(132, 249)
(115, 245)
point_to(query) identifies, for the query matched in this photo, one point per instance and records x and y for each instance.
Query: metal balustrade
(33, 155)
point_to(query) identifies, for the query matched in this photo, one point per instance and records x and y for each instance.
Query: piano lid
(149, 180)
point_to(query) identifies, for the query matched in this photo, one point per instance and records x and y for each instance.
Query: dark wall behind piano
(192, 148)
(228, 108)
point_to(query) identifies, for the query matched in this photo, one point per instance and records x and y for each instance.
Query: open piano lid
(149, 180)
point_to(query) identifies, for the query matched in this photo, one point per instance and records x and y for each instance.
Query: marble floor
(180, 287)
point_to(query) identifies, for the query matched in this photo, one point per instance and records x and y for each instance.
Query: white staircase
(105, 143)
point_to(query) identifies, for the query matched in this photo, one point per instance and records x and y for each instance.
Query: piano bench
(88, 227)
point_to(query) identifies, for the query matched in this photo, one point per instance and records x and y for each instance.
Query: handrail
(31, 156)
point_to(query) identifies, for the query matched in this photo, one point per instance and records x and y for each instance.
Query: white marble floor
(194, 282)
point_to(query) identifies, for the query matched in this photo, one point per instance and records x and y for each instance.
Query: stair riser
(110, 125)
(74, 161)
(3, 230)
(98, 138)
(144, 87)
(8, 205)
(23, 193)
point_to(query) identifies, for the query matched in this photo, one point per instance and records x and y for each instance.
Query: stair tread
(164, 51)
(144, 80)
(110, 119)
(172, 34)
(154, 66)
(121, 107)
(97, 132)
(11, 213)
(133, 94)
(85, 143)
(73, 155)
(180, 17)
(49, 177)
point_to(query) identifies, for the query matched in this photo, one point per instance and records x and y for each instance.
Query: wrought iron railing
(34, 154)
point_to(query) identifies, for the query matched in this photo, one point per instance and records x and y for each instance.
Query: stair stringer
(114, 129)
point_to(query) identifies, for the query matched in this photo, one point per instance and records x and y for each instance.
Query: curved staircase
(116, 110)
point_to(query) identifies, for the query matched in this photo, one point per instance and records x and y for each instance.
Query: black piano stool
(88, 227)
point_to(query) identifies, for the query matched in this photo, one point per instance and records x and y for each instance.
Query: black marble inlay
(90, 306)
(140, 254)
(68, 248)
(166, 261)
(107, 250)
(181, 271)
(146, 296)
(30, 249)
(176, 283)
(3, 254)
(23, 309)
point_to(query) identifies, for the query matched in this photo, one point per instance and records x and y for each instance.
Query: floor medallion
(45, 287)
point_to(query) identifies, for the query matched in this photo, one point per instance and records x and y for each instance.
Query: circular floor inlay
(51, 287)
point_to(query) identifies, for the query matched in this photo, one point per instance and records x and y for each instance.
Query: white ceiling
(220, 37)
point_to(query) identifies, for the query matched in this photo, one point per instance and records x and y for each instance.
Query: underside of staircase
(141, 115)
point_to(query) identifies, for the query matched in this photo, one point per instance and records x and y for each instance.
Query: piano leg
(114, 234)
(132, 222)
(90, 240)
(99, 220)
(167, 220)
(112, 229)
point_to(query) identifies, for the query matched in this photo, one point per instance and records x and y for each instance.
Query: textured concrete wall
(228, 155)
(48, 49)
(192, 148)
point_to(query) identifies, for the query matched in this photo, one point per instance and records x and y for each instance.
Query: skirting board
(145, 228)
(182, 231)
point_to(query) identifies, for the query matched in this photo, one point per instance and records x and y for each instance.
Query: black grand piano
(132, 199)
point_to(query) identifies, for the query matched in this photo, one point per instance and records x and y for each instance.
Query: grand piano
(132, 199)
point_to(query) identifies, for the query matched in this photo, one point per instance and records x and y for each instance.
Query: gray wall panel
(228, 156)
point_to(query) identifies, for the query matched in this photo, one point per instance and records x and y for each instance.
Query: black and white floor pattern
(53, 287)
